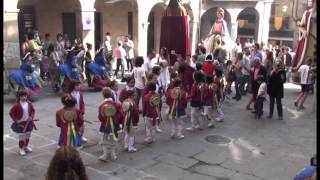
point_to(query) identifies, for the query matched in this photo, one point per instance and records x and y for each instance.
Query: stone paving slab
(96, 175)
(127, 173)
(12, 174)
(194, 176)
(176, 160)
(213, 156)
(239, 176)
(215, 171)
(166, 171)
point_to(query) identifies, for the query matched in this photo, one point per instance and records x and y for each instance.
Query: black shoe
(234, 97)
(269, 117)
(253, 112)
(296, 104)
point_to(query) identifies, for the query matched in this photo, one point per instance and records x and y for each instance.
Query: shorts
(305, 87)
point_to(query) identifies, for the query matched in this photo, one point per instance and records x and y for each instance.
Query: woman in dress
(220, 31)
(163, 62)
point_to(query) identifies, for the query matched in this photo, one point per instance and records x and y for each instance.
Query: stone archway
(118, 18)
(154, 27)
(248, 24)
(208, 18)
(51, 17)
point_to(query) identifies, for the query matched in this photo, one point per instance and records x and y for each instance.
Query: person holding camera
(276, 80)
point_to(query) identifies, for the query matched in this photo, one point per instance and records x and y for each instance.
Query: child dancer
(77, 93)
(131, 119)
(110, 116)
(210, 101)
(69, 119)
(177, 105)
(22, 113)
(151, 111)
(114, 87)
(129, 87)
(197, 98)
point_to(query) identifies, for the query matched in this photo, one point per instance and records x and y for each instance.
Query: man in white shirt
(245, 69)
(150, 63)
(306, 83)
(128, 46)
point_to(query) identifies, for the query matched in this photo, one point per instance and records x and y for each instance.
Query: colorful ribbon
(72, 134)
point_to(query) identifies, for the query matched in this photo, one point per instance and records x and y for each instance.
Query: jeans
(279, 106)
(119, 63)
(259, 105)
(288, 73)
(244, 80)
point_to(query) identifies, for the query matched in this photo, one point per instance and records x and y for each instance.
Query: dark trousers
(129, 64)
(119, 63)
(138, 95)
(259, 105)
(87, 73)
(279, 105)
(237, 83)
(244, 80)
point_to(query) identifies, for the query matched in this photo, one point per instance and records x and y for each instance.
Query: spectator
(268, 63)
(286, 60)
(139, 78)
(66, 164)
(150, 62)
(245, 69)
(305, 81)
(261, 96)
(238, 75)
(24, 45)
(275, 88)
(256, 53)
(208, 66)
(107, 47)
(119, 54)
(128, 46)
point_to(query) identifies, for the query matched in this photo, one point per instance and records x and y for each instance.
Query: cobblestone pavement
(259, 149)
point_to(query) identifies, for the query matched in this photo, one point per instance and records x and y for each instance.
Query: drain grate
(216, 139)
(150, 178)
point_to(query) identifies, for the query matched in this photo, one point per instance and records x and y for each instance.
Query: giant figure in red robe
(175, 30)
(307, 41)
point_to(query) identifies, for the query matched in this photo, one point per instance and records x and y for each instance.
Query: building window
(130, 24)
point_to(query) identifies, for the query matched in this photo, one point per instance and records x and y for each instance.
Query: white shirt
(149, 65)
(128, 46)
(25, 108)
(139, 75)
(262, 90)
(304, 74)
(76, 95)
(245, 64)
(129, 88)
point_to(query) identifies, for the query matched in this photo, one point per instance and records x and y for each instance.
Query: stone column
(142, 32)
(88, 34)
(195, 35)
(11, 39)
(264, 10)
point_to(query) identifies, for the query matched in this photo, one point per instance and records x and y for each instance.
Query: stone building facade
(139, 18)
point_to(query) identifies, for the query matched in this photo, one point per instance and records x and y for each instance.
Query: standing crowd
(201, 82)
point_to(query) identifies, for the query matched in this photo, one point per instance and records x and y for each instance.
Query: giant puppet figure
(175, 30)
(219, 32)
(307, 41)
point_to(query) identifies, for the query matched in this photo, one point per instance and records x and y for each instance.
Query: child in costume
(77, 93)
(261, 96)
(22, 113)
(69, 119)
(129, 86)
(210, 101)
(110, 116)
(196, 95)
(151, 111)
(177, 105)
(131, 119)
